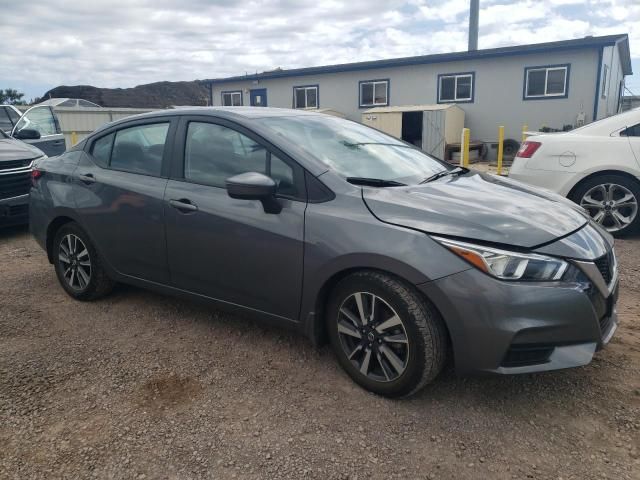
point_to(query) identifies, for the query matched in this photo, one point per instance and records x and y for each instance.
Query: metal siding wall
(498, 91)
(433, 132)
(83, 121)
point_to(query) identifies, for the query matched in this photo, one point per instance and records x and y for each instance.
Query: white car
(597, 166)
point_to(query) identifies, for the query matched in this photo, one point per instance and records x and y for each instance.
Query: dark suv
(336, 230)
(16, 159)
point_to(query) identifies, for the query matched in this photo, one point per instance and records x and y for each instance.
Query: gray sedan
(336, 230)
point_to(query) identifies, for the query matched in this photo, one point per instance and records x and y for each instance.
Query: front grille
(11, 164)
(524, 355)
(15, 184)
(605, 266)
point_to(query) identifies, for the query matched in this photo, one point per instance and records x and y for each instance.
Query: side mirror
(27, 134)
(254, 186)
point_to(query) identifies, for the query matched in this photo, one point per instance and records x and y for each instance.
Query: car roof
(232, 113)
(607, 126)
(246, 116)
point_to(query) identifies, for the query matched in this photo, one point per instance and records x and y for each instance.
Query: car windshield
(355, 150)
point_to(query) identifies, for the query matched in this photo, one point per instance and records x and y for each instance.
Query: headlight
(507, 265)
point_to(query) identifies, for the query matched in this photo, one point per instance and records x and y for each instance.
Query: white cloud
(120, 43)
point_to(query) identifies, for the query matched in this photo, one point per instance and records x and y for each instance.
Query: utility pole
(474, 13)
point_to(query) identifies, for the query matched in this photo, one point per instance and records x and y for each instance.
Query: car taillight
(35, 175)
(527, 149)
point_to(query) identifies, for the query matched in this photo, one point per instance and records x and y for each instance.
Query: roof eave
(625, 55)
(588, 42)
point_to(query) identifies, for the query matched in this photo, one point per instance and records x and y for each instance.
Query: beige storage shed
(430, 127)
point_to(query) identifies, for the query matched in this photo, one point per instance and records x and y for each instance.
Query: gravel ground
(144, 386)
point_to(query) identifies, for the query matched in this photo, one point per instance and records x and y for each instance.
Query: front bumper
(14, 210)
(508, 327)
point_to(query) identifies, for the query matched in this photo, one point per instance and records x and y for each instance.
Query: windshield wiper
(444, 173)
(374, 182)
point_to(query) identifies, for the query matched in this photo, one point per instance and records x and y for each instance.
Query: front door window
(40, 119)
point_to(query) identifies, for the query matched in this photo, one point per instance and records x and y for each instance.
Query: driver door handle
(88, 178)
(184, 205)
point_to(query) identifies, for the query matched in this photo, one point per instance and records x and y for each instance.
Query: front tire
(78, 266)
(387, 337)
(612, 201)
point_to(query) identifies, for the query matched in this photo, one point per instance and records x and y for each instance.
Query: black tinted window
(140, 149)
(101, 150)
(13, 115)
(5, 122)
(214, 153)
(631, 131)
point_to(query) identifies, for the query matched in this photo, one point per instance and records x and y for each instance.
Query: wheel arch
(316, 325)
(601, 173)
(53, 227)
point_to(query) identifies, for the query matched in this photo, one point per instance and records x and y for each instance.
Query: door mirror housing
(254, 186)
(27, 134)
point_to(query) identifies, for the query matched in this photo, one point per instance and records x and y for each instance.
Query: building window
(374, 93)
(546, 82)
(232, 99)
(305, 96)
(605, 74)
(456, 87)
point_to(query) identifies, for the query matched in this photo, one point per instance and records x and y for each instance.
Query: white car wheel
(612, 201)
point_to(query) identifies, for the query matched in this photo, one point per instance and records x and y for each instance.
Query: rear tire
(612, 200)
(397, 349)
(78, 266)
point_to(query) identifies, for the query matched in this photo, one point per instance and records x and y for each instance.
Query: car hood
(480, 207)
(12, 149)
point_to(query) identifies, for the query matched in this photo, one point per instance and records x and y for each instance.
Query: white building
(550, 84)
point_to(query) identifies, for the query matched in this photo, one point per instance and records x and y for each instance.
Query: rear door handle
(88, 178)
(184, 205)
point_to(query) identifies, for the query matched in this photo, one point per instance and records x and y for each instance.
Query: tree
(11, 96)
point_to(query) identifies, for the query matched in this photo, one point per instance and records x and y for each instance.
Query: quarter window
(214, 153)
(101, 150)
(5, 122)
(137, 149)
(543, 82)
(374, 93)
(232, 99)
(305, 97)
(457, 87)
(631, 131)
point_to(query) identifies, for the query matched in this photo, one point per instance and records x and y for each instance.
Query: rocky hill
(151, 95)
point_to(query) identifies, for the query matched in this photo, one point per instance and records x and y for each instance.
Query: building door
(258, 97)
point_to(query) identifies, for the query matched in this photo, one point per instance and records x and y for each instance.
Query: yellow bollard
(500, 148)
(464, 147)
(74, 138)
(525, 127)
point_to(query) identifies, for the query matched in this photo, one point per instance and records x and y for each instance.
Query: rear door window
(138, 149)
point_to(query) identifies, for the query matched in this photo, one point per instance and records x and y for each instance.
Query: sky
(123, 43)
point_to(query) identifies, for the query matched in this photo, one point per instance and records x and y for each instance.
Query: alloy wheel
(75, 262)
(611, 205)
(373, 337)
